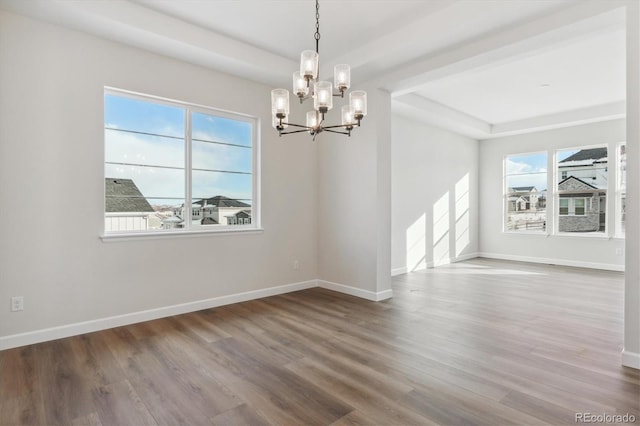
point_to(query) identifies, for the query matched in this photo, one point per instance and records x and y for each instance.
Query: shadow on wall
(440, 243)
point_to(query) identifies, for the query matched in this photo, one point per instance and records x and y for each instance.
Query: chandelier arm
(343, 126)
(298, 125)
(293, 131)
(335, 131)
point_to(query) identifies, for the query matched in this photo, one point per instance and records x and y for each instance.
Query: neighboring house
(524, 198)
(240, 218)
(586, 171)
(581, 207)
(218, 210)
(588, 165)
(125, 206)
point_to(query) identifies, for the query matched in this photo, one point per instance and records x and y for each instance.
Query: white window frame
(254, 226)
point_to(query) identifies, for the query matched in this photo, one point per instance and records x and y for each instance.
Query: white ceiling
(474, 66)
(587, 72)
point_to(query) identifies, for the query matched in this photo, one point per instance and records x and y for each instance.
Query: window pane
(526, 196)
(144, 164)
(586, 171)
(222, 160)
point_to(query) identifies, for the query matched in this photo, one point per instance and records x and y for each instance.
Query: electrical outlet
(619, 251)
(17, 303)
(296, 265)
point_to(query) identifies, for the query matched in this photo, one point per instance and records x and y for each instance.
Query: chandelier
(307, 85)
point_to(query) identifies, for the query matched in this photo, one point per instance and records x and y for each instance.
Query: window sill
(109, 238)
(539, 233)
(598, 236)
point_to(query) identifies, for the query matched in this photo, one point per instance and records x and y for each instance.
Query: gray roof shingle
(122, 195)
(222, 201)
(587, 154)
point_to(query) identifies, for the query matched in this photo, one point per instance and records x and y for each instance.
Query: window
(622, 189)
(582, 189)
(564, 206)
(525, 192)
(174, 166)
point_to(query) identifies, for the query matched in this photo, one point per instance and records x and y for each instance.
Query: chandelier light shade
(312, 120)
(307, 84)
(323, 96)
(342, 77)
(280, 102)
(347, 117)
(309, 62)
(300, 87)
(358, 102)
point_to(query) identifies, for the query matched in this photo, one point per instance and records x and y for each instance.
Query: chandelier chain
(317, 34)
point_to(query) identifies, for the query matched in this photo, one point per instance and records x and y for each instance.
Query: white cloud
(526, 174)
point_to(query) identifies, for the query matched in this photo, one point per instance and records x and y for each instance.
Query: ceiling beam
(439, 115)
(517, 41)
(133, 24)
(423, 109)
(592, 114)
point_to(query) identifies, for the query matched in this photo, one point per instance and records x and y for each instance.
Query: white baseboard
(631, 359)
(358, 292)
(562, 262)
(427, 265)
(15, 340)
(44, 335)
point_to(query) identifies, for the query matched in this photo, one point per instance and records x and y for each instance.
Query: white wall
(598, 252)
(354, 177)
(631, 354)
(51, 154)
(434, 196)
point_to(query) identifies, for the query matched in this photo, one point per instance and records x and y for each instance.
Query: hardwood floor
(478, 342)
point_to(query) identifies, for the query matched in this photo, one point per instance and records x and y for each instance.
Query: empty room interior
(327, 212)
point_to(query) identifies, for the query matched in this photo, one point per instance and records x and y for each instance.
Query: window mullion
(188, 202)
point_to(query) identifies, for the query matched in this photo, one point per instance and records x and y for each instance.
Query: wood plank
(21, 400)
(477, 342)
(119, 404)
(240, 415)
(65, 392)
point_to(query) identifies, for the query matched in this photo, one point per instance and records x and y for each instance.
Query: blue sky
(225, 168)
(527, 170)
(531, 169)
